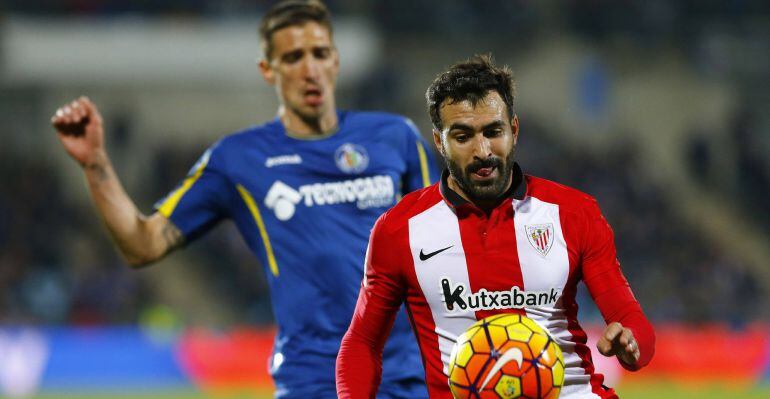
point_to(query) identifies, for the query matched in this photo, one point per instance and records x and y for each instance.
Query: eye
(462, 137)
(322, 53)
(493, 132)
(292, 57)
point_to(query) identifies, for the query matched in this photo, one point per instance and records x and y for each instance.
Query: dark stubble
(484, 190)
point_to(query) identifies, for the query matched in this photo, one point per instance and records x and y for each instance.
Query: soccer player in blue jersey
(304, 190)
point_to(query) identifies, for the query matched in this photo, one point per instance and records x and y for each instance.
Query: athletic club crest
(351, 158)
(541, 237)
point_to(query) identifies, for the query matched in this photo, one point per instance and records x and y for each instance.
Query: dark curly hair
(469, 80)
(291, 13)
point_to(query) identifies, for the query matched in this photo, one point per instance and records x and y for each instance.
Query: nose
(310, 67)
(482, 148)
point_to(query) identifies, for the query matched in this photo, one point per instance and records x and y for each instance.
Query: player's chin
(483, 182)
(485, 191)
(311, 111)
(486, 183)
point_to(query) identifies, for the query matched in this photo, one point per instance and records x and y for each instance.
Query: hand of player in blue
(619, 341)
(79, 127)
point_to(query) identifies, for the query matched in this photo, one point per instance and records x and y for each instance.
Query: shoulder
(569, 200)
(252, 134)
(225, 150)
(380, 120)
(396, 219)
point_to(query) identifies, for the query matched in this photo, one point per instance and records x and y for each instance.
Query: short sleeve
(200, 200)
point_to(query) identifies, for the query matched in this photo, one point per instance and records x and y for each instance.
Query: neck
(486, 205)
(299, 126)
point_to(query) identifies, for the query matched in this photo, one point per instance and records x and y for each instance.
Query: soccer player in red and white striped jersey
(488, 239)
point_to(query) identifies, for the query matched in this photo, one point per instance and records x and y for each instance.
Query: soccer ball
(506, 356)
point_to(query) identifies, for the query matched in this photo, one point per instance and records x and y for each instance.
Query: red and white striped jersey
(454, 264)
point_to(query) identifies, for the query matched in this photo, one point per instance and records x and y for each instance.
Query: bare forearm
(141, 239)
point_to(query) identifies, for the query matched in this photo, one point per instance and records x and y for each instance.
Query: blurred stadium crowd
(57, 265)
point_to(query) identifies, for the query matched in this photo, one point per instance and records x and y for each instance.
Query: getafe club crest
(541, 237)
(351, 158)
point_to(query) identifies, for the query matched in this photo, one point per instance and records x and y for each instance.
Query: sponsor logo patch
(365, 192)
(515, 298)
(293, 159)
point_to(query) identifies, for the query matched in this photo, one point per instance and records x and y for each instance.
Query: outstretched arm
(141, 239)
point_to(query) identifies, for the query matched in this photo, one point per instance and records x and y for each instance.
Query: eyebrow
(461, 126)
(302, 49)
(291, 52)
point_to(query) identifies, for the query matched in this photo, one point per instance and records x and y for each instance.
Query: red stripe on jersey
(421, 317)
(422, 321)
(490, 252)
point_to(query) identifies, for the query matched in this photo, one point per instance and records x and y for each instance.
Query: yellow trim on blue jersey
(252, 205)
(423, 165)
(170, 203)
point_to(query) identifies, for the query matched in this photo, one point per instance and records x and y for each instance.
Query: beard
(483, 190)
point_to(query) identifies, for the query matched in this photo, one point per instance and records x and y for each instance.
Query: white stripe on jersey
(434, 229)
(544, 272)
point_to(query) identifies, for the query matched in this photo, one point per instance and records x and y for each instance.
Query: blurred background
(657, 108)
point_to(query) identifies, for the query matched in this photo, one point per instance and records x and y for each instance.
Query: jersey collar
(518, 189)
(341, 116)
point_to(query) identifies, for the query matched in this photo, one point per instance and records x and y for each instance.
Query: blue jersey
(305, 207)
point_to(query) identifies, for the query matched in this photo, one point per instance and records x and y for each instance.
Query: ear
(268, 74)
(515, 128)
(437, 142)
